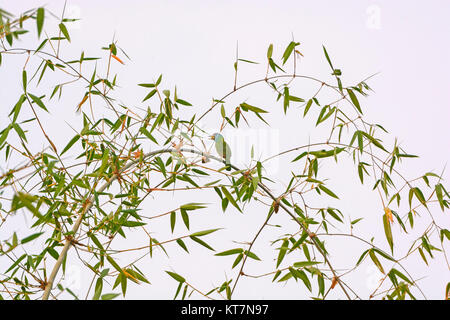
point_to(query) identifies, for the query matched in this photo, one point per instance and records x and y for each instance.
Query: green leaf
(388, 232)
(300, 156)
(114, 264)
(270, 51)
(376, 261)
(19, 131)
(182, 245)
(230, 198)
(40, 20)
(307, 107)
(147, 85)
(354, 100)
(299, 241)
(251, 255)
(321, 284)
(286, 277)
(326, 153)
(334, 214)
(24, 80)
(176, 276)
(373, 140)
(277, 274)
(328, 191)
(356, 221)
(159, 80)
(252, 108)
(237, 260)
(109, 296)
(173, 218)
(203, 233)
(295, 99)
(289, 49)
(384, 255)
(98, 289)
(185, 217)
(64, 31)
(439, 195)
(70, 144)
(193, 206)
(446, 233)
(420, 196)
(399, 274)
(17, 107)
(248, 61)
(328, 58)
(38, 101)
(286, 99)
(123, 283)
(362, 257)
(133, 224)
(284, 247)
(148, 134)
(423, 256)
(303, 264)
(302, 275)
(16, 262)
(201, 242)
(185, 103)
(31, 237)
(230, 252)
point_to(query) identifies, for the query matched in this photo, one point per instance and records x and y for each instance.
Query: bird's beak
(212, 137)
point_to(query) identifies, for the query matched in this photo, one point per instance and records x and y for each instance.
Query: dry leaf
(81, 103)
(334, 282)
(389, 214)
(117, 59)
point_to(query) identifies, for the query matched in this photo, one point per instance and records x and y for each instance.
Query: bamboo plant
(87, 194)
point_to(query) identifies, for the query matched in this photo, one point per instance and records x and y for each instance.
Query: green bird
(222, 148)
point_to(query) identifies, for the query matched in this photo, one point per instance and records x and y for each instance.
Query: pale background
(193, 43)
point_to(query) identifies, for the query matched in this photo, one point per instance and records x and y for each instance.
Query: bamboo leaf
(70, 144)
(354, 100)
(230, 198)
(289, 49)
(182, 245)
(114, 264)
(64, 31)
(185, 217)
(303, 264)
(176, 276)
(203, 233)
(284, 247)
(270, 51)
(40, 20)
(109, 296)
(24, 80)
(376, 261)
(230, 252)
(252, 108)
(201, 242)
(172, 220)
(307, 107)
(388, 232)
(328, 191)
(38, 101)
(31, 237)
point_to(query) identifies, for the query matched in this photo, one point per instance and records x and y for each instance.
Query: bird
(222, 148)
